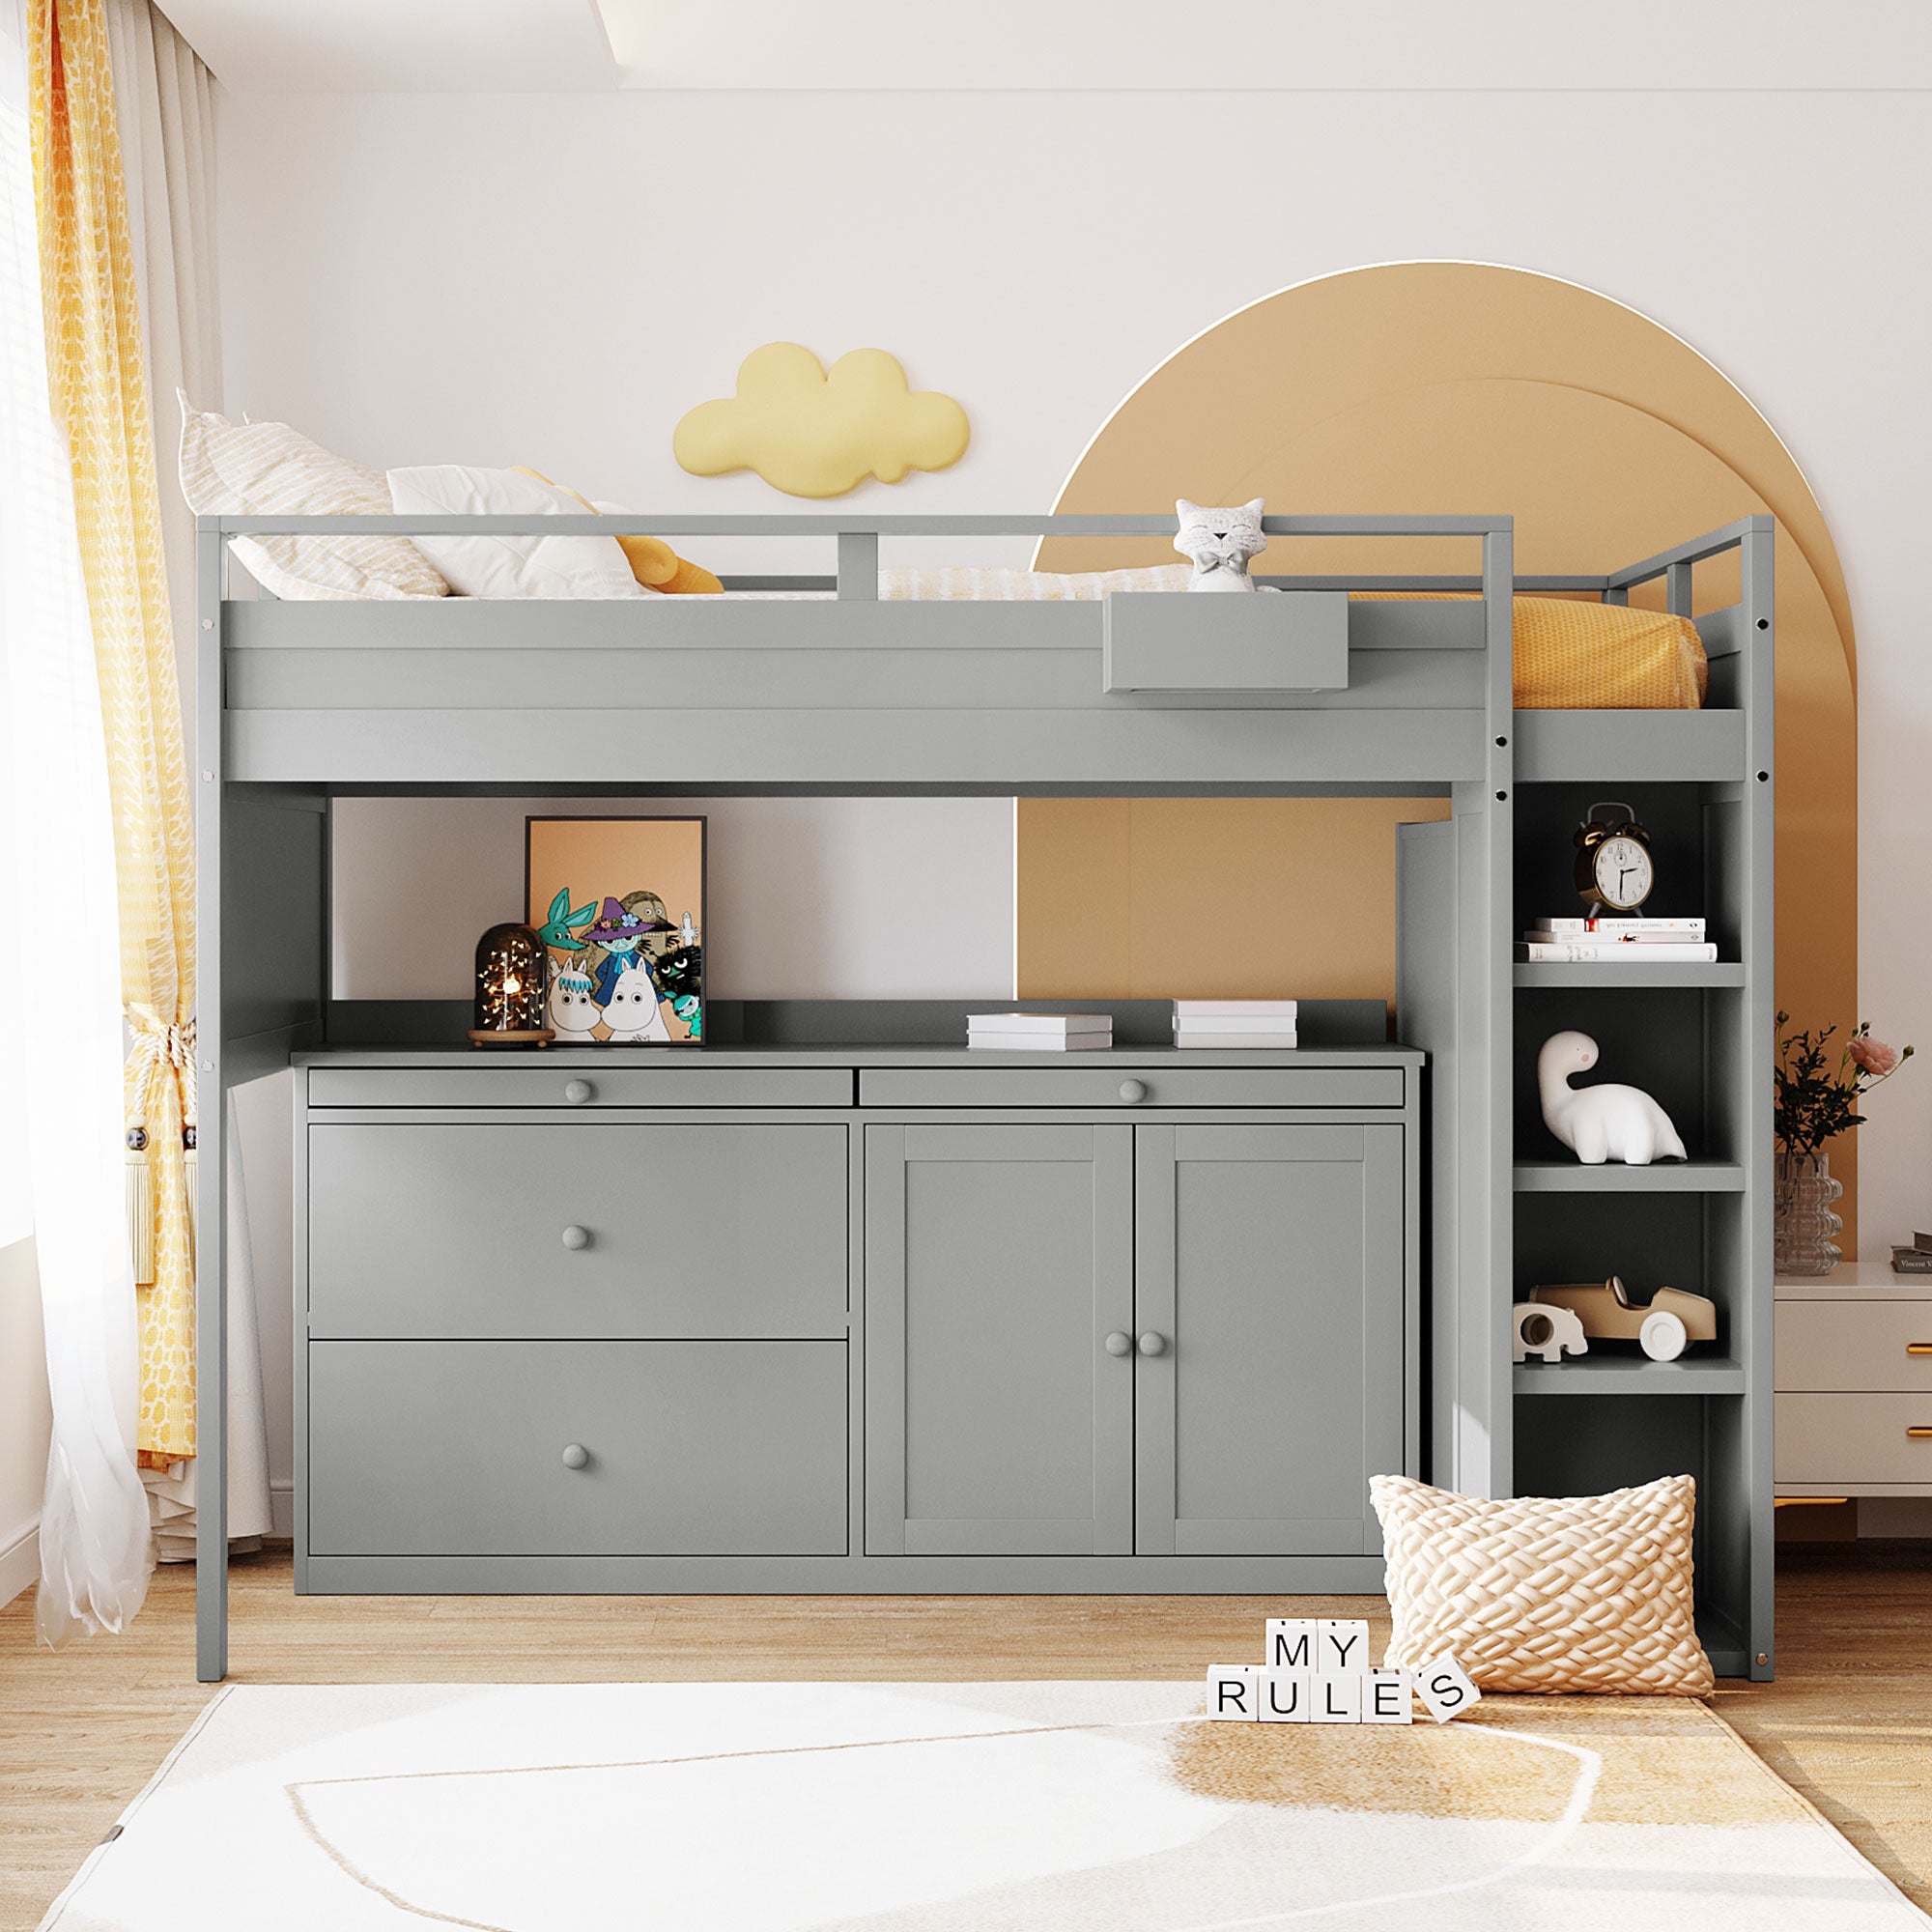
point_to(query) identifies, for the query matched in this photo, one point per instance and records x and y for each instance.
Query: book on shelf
(1191, 1037)
(1912, 1260)
(1255, 1009)
(1050, 1023)
(1629, 931)
(984, 1040)
(1232, 1023)
(1616, 951)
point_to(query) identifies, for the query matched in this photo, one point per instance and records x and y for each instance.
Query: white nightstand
(1853, 1384)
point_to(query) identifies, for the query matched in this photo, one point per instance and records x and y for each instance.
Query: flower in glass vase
(1815, 1100)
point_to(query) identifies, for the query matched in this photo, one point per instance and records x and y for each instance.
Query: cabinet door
(998, 1261)
(1270, 1277)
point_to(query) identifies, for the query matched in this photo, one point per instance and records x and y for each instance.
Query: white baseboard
(282, 1510)
(20, 1566)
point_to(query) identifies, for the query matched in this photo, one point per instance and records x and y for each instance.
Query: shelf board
(1633, 973)
(1664, 1176)
(1621, 1374)
(1629, 747)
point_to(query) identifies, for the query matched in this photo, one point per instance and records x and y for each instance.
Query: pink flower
(1875, 1057)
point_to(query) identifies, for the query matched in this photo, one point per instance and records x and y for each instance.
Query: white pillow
(266, 469)
(519, 566)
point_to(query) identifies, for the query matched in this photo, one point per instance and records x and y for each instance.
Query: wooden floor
(1849, 1721)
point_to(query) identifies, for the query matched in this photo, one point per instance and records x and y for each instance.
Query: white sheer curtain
(164, 104)
(63, 1059)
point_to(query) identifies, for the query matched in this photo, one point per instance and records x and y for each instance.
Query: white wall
(554, 280)
(808, 897)
(25, 1418)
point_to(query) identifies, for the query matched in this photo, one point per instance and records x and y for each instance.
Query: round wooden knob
(1133, 1089)
(577, 1092)
(576, 1237)
(574, 1456)
(1153, 1344)
(1119, 1344)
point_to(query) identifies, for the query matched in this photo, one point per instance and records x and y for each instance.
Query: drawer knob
(576, 1237)
(1120, 1343)
(577, 1092)
(1920, 1435)
(574, 1456)
(1919, 1348)
(1133, 1091)
(1154, 1344)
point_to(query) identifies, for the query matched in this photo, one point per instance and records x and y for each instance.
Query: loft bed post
(211, 1274)
(1483, 1440)
(1756, 644)
(1492, 1291)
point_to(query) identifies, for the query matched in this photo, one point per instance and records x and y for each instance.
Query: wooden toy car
(1662, 1327)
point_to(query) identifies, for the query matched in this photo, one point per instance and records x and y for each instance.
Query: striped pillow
(266, 469)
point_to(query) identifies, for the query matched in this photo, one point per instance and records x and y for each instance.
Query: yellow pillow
(1546, 1593)
(653, 562)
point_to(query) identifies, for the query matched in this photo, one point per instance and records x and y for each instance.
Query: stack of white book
(1229, 1023)
(1039, 1032)
(1635, 942)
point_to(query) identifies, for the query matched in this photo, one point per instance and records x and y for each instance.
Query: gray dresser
(879, 1319)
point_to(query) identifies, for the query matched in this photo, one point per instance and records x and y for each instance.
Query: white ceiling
(542, 46)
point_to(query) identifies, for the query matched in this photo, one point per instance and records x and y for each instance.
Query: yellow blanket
(1573, 656)
(1570, 655)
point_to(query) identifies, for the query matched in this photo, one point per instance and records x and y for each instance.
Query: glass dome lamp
(512, 981)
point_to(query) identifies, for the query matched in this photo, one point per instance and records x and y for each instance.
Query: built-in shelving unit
(1568, 978)
(1627, 1375)
(1666, 1176)
(1699, 1037)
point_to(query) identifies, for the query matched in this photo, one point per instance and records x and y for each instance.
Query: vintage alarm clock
(1615, 872)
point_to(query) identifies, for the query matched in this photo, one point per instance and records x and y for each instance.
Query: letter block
(1234, 1692)
(1340, 1643)
(1290, 1644)
(1444, 1685)
(1285, 1697)
(1387, 1697)
(1338, 1699)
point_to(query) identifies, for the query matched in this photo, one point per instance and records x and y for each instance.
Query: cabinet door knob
(576, 1237)
(574, 1456)
(1120, 1344)
(1153, 1344)
(1133, 1089)
(577, 1092)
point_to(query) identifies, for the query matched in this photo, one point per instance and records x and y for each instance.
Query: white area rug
(968, 1807)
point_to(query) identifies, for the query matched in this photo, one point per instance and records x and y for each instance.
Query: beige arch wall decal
(1439, 387)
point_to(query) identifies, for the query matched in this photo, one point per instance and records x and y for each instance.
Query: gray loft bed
(1307, 695)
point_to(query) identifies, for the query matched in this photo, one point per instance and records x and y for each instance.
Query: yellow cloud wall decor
(812, 433)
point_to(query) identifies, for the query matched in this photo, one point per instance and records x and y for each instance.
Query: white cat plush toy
(1220, 542)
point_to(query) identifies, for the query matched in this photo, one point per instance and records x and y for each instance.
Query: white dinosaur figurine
(1600, 1123)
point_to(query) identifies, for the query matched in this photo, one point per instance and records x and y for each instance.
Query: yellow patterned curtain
(100, 392)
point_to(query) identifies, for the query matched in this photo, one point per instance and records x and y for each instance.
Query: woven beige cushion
(266, 469)
(1546, 1593)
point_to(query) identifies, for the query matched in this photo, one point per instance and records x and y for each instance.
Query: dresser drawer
(691, 1082)
(1116, 1086)
(689, 1449)
(1844, 1345)
(1847, 1439)
(576, 1228)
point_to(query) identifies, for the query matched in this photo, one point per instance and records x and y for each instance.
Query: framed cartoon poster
(620, 905)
